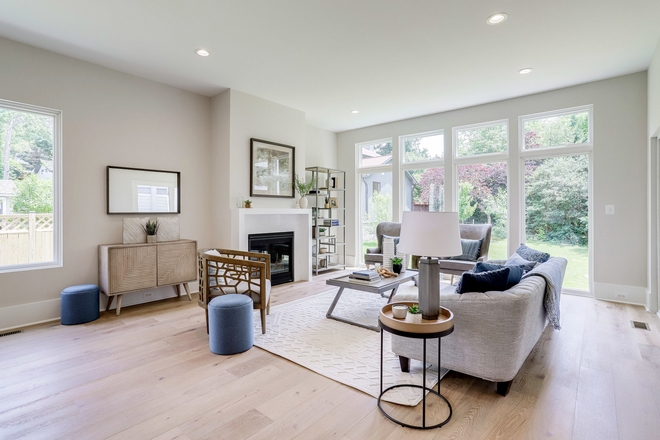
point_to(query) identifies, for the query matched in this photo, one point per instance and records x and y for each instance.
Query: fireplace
(280, 247)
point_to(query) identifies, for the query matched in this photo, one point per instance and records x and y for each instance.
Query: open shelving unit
(330, 185)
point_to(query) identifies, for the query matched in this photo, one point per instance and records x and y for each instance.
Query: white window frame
(454, 138)
(418, 165)
(57, 186)
(556, 151)
(360, 170)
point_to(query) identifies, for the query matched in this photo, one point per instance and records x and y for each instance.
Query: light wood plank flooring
(149, 374)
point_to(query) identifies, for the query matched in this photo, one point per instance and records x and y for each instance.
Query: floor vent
(13, 332)
(640, 324)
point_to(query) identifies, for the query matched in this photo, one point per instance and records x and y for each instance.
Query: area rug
(300, 332)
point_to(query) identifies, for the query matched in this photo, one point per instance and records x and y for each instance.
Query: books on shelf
(330, 222)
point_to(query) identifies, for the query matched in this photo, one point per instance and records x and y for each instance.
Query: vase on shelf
(152, 238)
(303, 202)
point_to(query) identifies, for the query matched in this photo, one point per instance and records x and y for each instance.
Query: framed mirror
(271, 169)
(140, 191)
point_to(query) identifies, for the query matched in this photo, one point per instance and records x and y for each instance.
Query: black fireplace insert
(280, 247)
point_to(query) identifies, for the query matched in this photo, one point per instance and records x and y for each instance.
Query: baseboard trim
(612, 292)
(25, 315)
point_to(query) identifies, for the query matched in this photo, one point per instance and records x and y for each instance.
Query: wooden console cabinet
(129, 267)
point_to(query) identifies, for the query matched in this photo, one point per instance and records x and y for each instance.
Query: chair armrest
(374, 250)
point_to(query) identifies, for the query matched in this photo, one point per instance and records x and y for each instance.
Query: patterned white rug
(300, 332)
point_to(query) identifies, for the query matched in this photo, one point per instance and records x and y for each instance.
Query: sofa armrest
(374, 250)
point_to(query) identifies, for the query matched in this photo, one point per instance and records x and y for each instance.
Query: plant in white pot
(414, 315)
(303, 189)
(151, 228)
(322, 231)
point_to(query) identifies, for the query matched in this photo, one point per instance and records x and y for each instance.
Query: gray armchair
(375, 255)
(470, 232)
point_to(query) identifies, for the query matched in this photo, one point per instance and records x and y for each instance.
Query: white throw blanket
(553, 272)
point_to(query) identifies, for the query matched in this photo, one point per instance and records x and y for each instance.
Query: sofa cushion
(470, 248)
(515, 272)
(532, 254)
(517, 260)
(494, 280)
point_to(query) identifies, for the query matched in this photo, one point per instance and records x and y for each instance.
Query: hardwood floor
(148, 373)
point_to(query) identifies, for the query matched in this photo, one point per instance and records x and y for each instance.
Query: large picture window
(30, 211)
(478, 139)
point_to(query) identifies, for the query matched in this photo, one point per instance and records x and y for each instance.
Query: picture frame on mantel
(272, 167)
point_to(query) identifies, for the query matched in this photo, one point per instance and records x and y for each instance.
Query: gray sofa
(494, 332)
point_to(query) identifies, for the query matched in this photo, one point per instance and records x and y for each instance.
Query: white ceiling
(389, 59)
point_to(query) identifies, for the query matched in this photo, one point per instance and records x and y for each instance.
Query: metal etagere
(328, 199)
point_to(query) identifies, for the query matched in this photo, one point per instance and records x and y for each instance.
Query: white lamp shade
(430, 234)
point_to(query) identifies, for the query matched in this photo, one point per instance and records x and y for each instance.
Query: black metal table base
(423, 387)
(438, 425)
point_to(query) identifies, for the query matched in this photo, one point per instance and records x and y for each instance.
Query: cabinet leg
(185, 286)
(177, 289)
(107, 306)
(119, 304)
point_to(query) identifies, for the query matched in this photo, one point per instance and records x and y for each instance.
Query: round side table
(428, 329)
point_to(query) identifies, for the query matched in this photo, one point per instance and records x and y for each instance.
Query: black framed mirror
(142, 191)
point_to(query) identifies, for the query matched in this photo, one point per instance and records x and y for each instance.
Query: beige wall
(654, 94)
(109, 118)
(619, 171)
(321, 148)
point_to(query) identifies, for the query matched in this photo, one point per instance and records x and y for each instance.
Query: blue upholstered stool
(231, 324)
(79, 304)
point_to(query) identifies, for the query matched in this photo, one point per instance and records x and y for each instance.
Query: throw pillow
(515, 272)
(395, 239)
(485, 281)
(470, 249)
(532, 254)
(517, 260)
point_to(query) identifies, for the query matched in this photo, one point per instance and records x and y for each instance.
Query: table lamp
(430, 235)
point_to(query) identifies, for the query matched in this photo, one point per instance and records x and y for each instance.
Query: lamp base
(429, 288)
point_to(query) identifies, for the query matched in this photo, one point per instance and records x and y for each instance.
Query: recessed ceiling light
(497, 18)
(203, 52)
(355, 111)
(525, 71)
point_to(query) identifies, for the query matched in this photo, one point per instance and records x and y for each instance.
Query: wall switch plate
(620, 295)
(148, 295)
(609, 209)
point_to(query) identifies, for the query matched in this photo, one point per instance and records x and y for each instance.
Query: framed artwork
(333, 202)
(333, 182)
(272, 166)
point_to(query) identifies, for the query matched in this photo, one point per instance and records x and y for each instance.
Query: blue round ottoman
(79, 304)
(231, 324)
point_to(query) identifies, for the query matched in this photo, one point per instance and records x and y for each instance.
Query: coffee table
(380, 287)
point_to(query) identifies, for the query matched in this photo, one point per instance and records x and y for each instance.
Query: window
(486, 138)
(424, 146)
(569, 127)
(30, 222)
(153, 198)
(424, 189)
(376, 187)
(375, 154)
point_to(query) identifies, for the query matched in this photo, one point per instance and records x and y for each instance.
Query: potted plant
(248, 203)
(414, 314)
(322, 231)
(397, 264)
(151, 228)
(303, 189)
(327, 202)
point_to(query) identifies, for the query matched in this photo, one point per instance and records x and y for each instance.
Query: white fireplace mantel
(263, 220)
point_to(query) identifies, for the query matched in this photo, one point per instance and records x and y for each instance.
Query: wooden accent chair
(223, 271)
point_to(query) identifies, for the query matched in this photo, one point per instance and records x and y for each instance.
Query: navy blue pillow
(532, 254)
(515, 272)
(470, 249)
(485, 281)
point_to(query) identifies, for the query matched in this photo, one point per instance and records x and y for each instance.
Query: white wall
(321, 147)
(109, 118)
(619, 172)
(653, 127)
(654, 94)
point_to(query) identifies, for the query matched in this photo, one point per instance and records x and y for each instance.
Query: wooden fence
(26, 238)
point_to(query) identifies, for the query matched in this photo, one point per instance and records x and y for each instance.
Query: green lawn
(577, 272)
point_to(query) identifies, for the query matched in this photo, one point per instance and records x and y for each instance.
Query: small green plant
(151, 228)
(248, 203)
(327, 200)
(301, 187)
(414, 309)
(322, 230)
(396, 260)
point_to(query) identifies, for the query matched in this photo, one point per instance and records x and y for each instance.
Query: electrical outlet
(148, 295)
(620, 295)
